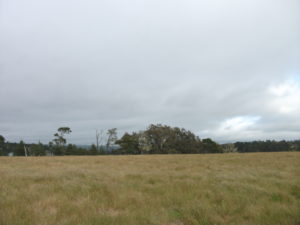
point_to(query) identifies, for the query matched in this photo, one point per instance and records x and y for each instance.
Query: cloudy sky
(225, 69)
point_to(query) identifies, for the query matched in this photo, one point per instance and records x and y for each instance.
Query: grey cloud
(103, 64)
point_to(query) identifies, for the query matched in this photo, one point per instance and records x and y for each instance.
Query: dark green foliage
(20, 150)
(81, 151)
(129, 144)
(64, 130)
(295, 146)
(2, 140)
(93, 150)
(37, 150)
(210, 146)
(102, 150)
(2, 145)
(69, 150)
(268, 146)
(59, 139)
(58, 150)
(156, 139)
(165, 139)
(160, 139)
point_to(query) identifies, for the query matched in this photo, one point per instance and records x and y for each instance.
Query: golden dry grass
(260, 188)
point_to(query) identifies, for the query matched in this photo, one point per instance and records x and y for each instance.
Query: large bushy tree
(160, 139)
(209, 146)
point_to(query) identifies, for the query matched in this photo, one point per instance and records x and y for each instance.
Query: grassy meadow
(256, 188)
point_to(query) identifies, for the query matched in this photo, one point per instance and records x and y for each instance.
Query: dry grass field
(258, 188)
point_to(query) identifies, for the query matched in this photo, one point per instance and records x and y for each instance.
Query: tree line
(156, 139)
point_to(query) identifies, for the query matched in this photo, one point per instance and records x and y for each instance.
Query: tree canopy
(156, 139)
(163, 139)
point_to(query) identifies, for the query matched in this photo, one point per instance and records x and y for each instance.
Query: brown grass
(260, 188)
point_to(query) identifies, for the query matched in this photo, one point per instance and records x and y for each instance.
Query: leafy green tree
(165, 139)
(60, 140)
(37, 150)
(20, 149)
(144, 143)
(129, 144)
(158, 136)
(184, 141)
(59, 137)
(210, 146)
(2, 140)
(160, 139)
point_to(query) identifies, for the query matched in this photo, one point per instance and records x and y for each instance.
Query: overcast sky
(225, 69)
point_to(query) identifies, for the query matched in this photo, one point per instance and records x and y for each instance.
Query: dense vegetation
(156, 139)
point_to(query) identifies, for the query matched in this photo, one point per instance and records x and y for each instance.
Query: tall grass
(260, 188)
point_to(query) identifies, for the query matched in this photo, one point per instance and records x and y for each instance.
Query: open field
(258, 188)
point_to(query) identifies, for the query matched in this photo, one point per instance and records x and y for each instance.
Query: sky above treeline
(224, 69)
